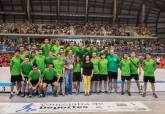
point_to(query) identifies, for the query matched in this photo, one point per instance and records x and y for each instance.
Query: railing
(77, 36)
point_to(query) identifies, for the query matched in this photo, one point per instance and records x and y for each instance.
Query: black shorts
(135, 76)
(50, 81)
(77, 76)
(103, 77)
(112, 75)
(61, 79)
(96, 77)
(34, 82)
(149, 78)
(16, 78)
(123, 78)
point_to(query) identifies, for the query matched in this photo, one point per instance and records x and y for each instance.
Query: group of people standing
(66, 66)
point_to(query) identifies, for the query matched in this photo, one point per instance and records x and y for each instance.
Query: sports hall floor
(157, 106)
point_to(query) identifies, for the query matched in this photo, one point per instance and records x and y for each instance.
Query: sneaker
(55, 94)
(122, 93)
(11, 96)
(41, 95)
(154, 94)
(19, 93)
(105, 92)
(144, 95)
(129, 94)
(30, 95)
(23, 94)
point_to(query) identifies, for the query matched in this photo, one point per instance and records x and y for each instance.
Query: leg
(43, 87)
(92, 83)
(66, 81)
(138, 85)
(145, 88)
(115, 84)
(85, 84)
(110, 85)
(105, 86)
(88, 84)
(54, 88)
(30, 90)
(122, 87)
(19, 87)
(70, 81)
(128, 87)
(100, 85)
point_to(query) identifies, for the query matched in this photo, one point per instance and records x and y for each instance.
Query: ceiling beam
(86, 10)
(28, 9)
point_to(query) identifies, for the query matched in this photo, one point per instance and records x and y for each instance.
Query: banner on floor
(63, 107)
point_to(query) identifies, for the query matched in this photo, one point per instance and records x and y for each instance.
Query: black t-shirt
(87, 68)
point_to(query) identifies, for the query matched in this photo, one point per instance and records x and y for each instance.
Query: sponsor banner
(65, 107)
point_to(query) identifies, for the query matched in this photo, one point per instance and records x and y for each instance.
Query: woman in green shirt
(95, 80)
(103, 71)
(77, 74)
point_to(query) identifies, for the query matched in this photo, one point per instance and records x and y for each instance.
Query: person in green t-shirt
(22, 53)
(49, 59)
(15, 69)
(34, 81)
(95, 79)
(59, 66)
(26, 67)
(90, 50)
(77, 74)
(113, 65)
(149, 66)
(135, 65)
(56, 48)
(40, 61)
(46, 47)
(125, 73)
(50, 76)
(103, 71)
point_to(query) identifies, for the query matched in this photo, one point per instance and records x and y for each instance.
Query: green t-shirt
(22, 56)
(134, 65)
(103, 66)
(40, 61)
(95, 66)
(125, 67)
(26, 68)
(58, 65)
(15, 64)
(77, 67)
(90, 51)
(149, 67)
(81, 52)
(113, 63)
(34, 76)
(49, 60)
(49, 74)
(56, 49)
(74, 49)
(46, 48)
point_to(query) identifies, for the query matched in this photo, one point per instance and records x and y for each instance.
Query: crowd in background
(76, 29)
